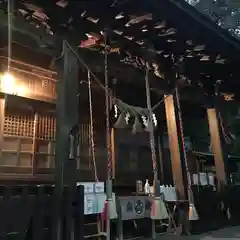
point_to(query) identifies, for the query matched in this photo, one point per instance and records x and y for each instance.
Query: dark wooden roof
(168, 34)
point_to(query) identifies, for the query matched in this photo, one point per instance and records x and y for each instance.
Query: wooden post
(50, 163)
(67, 108)
(174, 144)
(67, 123)
(113, 153)
(19, 143)
(79, 212)
(34, 143)
(217, 148)
(2, 117)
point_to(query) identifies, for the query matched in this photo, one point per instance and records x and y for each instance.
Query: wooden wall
(28, 148)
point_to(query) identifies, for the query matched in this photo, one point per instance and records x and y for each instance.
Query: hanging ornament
(154, 120)
(136, 117)
(114, 114)
(122, 121)
(148, 126)
(115, 111)
(146, 122)
(137, 126)
(127, 117)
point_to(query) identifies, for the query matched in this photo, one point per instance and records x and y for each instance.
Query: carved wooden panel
(36, 83)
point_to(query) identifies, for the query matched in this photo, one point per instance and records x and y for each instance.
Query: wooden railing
(29, 212)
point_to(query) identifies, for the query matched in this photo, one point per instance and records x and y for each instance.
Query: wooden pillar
(67, 114)
(217, 147)
(174, 144)
(2, 117)
(67, 121)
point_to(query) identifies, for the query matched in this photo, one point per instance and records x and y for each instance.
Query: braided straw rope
(189, 180)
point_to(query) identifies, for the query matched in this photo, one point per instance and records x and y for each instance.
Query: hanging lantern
(137, 126)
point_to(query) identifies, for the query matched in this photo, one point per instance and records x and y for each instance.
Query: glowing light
(8, 83)
(21, 90)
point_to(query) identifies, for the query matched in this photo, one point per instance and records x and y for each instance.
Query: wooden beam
(210, 26)
(36, 38)
(32, 36)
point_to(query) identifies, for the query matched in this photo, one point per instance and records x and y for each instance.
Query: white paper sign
(99, 202)
(99, 187)
(94, 197)
(211, 179)
(203, 179)
(92, 187)
(94, 203)
(195, 179)
(88, 204)
(88, 187)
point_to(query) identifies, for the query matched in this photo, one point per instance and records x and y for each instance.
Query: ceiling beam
(36, 39)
